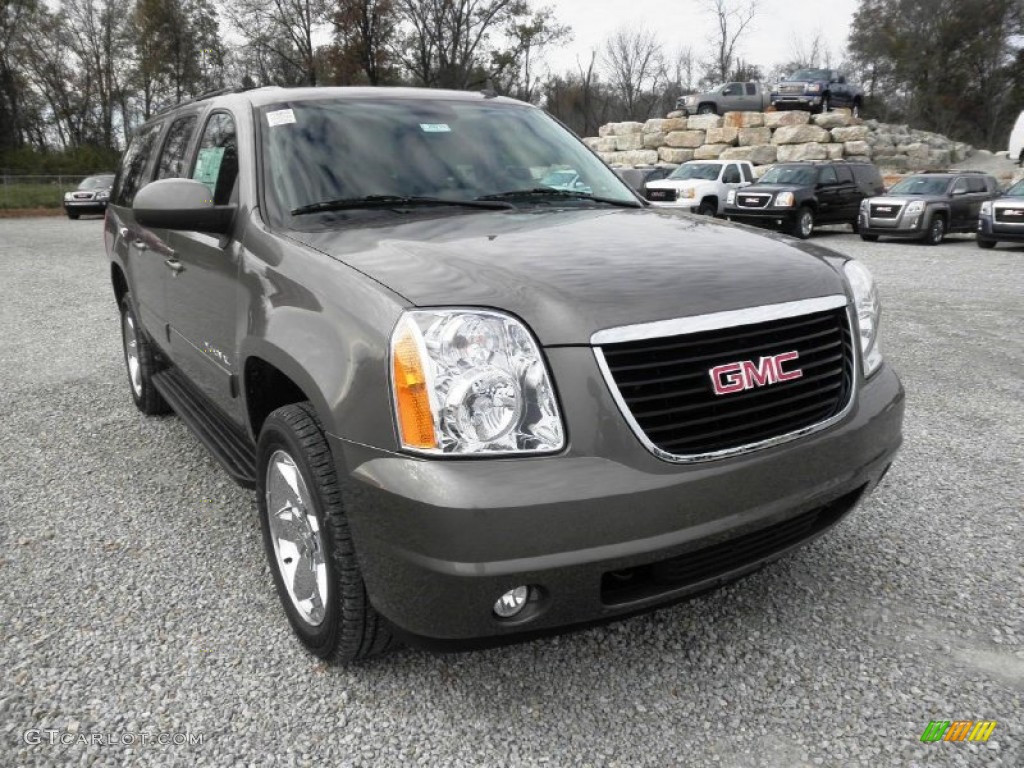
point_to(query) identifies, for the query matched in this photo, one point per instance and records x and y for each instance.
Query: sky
(778, 29)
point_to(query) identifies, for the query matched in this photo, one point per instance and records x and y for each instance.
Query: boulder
(789, 153)
(850, 133)
(858, 159)
(801, 134)
(736, 153)
(638, 157)
(779, 119)
(836, 119)
(625, 129)
(629, 141)
(703, 122)
(751, 137)
(653, 140)
(743, 119)
(709, 151)
(857, 148)
(834, 151)
(687, 139)
(676, 113)
(892, 162)
(673, 155)
(665, 125)
(725, 135)
(764, 154)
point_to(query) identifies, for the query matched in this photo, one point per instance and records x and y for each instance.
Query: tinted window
(921, 185)
(171, 164)
(748, 174)
(959, 186)
(827, 175)
(708, 171)
(781, 174)
(751, 89)
(130, 178)
(731, 175)
(976, 184)
(217, 159)
(844, 173)
(733, 89)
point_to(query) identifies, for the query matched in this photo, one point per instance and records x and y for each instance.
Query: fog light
(512, 602)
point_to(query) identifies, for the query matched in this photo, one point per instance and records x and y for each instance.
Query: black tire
(73, 215)
(826, 103)
(855, 226)
(140, 383)
(706, 109)
(707, 208)
(936, 231)
(803, 224)
(869, 238)
(350, 629)
(986, 244)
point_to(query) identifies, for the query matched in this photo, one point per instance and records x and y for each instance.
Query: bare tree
(732, 18)
(364, 34)
(635, 63)
(280, 39)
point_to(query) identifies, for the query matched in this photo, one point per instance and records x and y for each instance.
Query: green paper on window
(208, 166)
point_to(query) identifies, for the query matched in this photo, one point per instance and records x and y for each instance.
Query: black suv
(927, 206)
(477, 405)
(795, 197)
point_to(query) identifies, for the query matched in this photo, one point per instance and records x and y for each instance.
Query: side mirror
(181, 204)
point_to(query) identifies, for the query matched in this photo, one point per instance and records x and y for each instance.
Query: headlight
(468, 381)
(730, 198)
(869, 310)
(865, 204)
(916, 207)
(105, 194)
(690, 100)
(986, 208)
(784, 200)
(67, 195)
(812, 87)
(687, 193)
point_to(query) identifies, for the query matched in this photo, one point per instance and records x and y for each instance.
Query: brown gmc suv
(476, 405)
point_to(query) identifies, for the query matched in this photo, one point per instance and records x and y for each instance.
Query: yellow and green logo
(958, 730)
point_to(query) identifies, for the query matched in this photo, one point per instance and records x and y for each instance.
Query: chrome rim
(806, 224)
(937, 230)
(131, 353)
(295, 533)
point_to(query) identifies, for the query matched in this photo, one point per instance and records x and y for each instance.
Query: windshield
(810, 74)
(451, 151)
(707, 171)
(97, 182)
(1017, 190)
(920, 185)
(783, 175)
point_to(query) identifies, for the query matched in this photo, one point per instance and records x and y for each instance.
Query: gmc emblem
(736, 377)
(884, 209)
(1013, 212)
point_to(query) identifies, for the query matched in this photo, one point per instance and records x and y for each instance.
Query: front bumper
(796, 102)
(907, 226)
(85, 206)
(440, 540)
(989, 230)
(776, 218)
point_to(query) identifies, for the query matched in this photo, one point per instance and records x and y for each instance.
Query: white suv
(701, 185)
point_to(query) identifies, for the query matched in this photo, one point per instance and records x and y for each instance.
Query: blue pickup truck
(817, 90)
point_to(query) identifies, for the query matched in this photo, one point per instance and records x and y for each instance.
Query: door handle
(174, 265)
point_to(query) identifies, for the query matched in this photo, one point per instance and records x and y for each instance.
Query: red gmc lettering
(736, 377)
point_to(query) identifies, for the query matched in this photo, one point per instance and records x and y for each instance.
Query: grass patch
(32, 195)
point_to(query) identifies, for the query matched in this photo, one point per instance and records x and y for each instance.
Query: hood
(773, 188)
(904, 199)
(569, 274)
(679, 184)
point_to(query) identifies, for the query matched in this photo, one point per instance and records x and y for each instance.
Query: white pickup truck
(701, 185)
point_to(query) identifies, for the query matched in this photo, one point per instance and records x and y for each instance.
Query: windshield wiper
(526, 194)
(395, 201)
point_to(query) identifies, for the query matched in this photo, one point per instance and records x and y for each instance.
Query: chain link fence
(35, 191)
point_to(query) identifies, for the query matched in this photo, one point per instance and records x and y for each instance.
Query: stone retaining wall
(769, 137)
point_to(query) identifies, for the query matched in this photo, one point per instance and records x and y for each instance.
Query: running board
(235, 451)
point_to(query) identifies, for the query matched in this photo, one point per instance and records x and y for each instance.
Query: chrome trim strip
(716, 321)
(694, 458)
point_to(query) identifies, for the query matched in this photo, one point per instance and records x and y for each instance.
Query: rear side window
(748, 173)
(171, 164)
(751, 89)
(844, 173)
(976, 184)
(827, 175)
(217, 159)
(130, 178)
(731, 175)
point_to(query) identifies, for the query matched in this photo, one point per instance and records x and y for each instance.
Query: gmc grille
(886, 210)
(666, 386)
(791, 89)
(1010, 215)
(661, 195)
(751, 200)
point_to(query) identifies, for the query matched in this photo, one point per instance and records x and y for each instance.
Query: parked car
(473, 409)
(701, 185)
(90, 196)
(638, 178)
(796, 197)
(1002, 219)
(731, 97)
(927, 206)
(817, 90)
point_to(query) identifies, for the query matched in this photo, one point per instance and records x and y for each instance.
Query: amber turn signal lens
(412, 402)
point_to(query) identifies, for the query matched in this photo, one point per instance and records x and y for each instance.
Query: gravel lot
(136, 599)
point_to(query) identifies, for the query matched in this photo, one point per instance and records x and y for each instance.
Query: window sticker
(208, 166)
(435, 128)
(280, 117)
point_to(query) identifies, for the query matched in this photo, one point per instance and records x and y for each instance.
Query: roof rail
(204, 96)
(956, 170)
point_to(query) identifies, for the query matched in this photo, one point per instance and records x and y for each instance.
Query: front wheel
(308, 542)
(803, 227)
(72, 215)
(707, 208)
(986, 244)
(141, 361)
(936, 231)
(826, 104)
(869, 238)
(706, 109)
